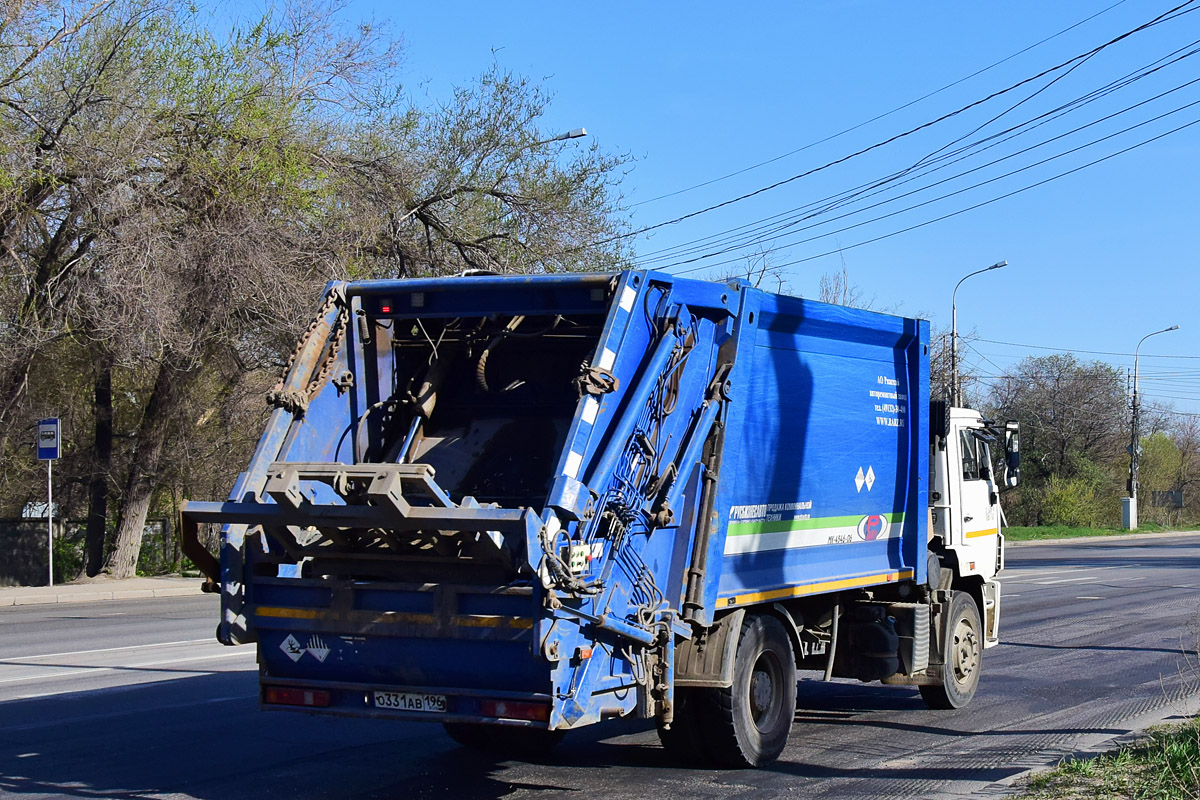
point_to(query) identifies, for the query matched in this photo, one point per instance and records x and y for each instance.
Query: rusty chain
(297, 400)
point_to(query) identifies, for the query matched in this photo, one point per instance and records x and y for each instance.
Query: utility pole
(955, 385)
(1129, 510)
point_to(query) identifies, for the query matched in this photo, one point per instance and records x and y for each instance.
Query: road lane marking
(1089, 598)
(108, 649)
(1055, 581)
(1019, 573)
(121, 667)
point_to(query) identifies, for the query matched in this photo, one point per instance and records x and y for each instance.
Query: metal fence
(24, 550)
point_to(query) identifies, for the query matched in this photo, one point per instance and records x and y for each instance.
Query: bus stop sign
(49, 439)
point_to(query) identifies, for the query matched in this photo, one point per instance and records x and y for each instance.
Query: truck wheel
(753, 718)
(504, 740)
(684, 740)
(962, 656)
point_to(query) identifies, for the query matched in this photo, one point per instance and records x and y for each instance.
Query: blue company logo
(873, 527)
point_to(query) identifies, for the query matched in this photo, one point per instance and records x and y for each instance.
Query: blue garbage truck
(519, 505)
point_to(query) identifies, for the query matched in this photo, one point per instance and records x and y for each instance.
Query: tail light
(515, 709)
(290, 696)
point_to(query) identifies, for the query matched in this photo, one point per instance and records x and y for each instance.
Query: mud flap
(707, 660)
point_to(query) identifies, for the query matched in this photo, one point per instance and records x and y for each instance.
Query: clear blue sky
(698, 91)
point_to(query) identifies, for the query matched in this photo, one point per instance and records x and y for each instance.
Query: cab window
(970, 456)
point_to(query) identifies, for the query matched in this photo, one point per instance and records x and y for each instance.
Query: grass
(1018, 534)
(1163, 766)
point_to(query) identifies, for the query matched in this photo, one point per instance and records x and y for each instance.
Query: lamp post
(1129, 513)
(574, 133)
(955, 389)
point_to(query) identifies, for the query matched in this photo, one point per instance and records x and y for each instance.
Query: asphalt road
(134, 699)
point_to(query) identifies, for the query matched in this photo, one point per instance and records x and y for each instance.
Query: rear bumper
(347, 699)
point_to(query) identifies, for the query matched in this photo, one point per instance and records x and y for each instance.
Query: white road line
(1021, 574)
(1089, 598)
(1053, 581)
(124, 667)
(108, 649)
(1011, 574)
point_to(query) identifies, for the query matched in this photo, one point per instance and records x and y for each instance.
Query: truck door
(978, 508)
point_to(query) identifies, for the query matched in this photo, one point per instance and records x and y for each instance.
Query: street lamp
(574, 133)
(1129, 514)
(955, 388)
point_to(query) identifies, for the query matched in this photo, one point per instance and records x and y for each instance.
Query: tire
(504, 740)
(684, 740)
(751, 720)
(962, 656)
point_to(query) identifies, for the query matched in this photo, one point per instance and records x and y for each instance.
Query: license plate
(406, 701)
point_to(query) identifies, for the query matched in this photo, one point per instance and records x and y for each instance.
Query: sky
(717, 101)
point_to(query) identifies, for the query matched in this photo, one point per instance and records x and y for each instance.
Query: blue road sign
(49, 439)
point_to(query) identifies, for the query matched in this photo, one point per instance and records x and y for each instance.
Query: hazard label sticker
(291, 646)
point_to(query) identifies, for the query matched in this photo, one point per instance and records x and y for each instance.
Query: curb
(93, 596)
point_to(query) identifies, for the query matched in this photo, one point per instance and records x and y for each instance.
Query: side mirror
(1012, 454)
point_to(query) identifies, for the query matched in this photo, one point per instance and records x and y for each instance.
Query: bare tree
(836, 287)
(759, 271)
(476, 183)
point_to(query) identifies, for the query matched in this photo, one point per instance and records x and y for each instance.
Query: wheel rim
(765, 687)
(966, 652)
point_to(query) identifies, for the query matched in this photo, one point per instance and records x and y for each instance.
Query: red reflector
(515, 709)
(288, 696)
(385, 309)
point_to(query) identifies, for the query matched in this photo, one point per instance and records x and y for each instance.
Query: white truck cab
(967, 521)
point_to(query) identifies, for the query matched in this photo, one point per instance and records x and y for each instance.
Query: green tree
(1073, 427)
(172, 201)
(1160, 469)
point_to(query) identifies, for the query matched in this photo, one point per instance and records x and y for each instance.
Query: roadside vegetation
(1028, 534)
(1074, 419)
(1164, 766)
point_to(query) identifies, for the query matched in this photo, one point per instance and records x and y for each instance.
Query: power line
(949, 179)
(1147, 372)
(1173, 13)
(1175, 413)
(960, 211)
(878, 117)
(757, 231)
(1172, 396)
(993, 381)
(1069, 350)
